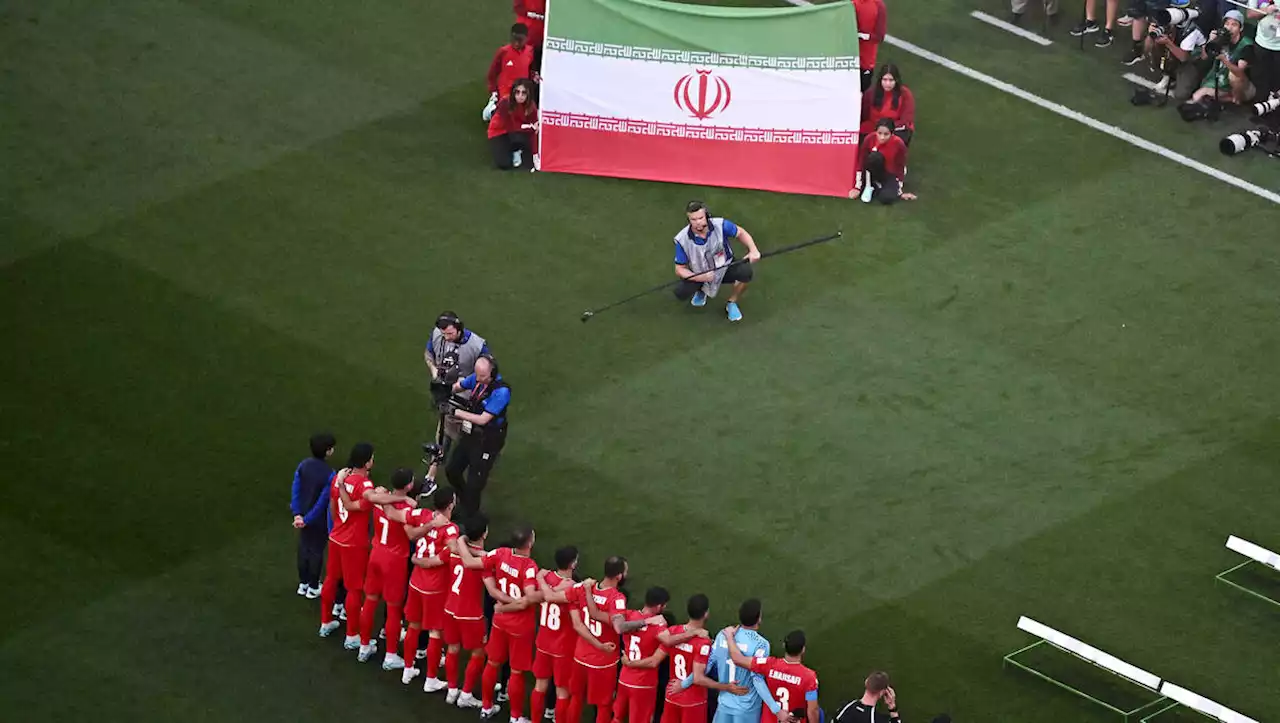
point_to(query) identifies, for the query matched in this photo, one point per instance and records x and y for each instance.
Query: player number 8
(682, 670)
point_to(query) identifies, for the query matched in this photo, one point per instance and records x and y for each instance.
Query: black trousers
(735, 274)
(1265, 71)
(502, 147)
(468, 468)
(888, 187)
(311, 545)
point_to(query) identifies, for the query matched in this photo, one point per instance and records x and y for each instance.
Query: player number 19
(510, 589)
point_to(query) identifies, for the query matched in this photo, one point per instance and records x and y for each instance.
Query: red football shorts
(425, 608)
(504, 647)
(387, 577)
(352, 561)
(558, 668)
(635, 704)
(596, 683)
(672, 713)
(467, 633)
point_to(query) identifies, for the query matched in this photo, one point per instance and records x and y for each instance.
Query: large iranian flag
(663, 91)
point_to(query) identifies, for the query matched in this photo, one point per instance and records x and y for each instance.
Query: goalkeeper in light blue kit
(745, 708)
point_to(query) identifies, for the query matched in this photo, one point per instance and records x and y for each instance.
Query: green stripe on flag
(817, 31)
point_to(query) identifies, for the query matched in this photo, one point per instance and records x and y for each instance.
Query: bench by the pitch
(1255, 554)
(1198, 703)
(1047, 635)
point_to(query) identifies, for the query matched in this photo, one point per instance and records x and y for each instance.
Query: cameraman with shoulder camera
(450, 355)
(483, 420)
(1227, 81)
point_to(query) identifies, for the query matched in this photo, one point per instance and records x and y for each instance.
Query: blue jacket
(311, 490)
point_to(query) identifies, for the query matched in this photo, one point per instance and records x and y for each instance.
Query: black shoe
(1105, 39)
(1088, 26)
(1017, 18)
(1133, 57)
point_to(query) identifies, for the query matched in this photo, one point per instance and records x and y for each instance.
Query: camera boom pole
(586, 315)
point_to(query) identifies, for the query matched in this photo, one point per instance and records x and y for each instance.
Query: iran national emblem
(702, 94)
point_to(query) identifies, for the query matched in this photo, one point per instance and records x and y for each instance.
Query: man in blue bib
(704, 259)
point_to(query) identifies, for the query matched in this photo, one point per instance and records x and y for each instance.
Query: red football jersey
(791, 684)
(466, 589)
(389, 533)
(555, 632)
(640, 644)
(350, 528)
(508, 66)
(687, 657)
(610, 601)
(436, 540)
(512, 573)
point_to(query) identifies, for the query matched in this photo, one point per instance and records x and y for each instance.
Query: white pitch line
(1139, 80)
(1079, 117)
(1010, 27)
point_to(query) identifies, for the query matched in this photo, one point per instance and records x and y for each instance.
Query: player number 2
(550, 616)
(782, 696)
(682, 668)
(457, 579)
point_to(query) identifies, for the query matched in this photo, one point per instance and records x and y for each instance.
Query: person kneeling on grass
(1227, 81)
(890, 99)
(513, 129)
(882, 166)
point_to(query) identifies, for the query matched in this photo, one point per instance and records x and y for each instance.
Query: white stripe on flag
(753, 98)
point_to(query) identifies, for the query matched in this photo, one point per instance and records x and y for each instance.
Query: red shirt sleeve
(490, 563)
(907, 109)
(518, 7)
(882, 19)
(494, 69)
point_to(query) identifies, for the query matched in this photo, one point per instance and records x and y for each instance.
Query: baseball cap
(1235, 15)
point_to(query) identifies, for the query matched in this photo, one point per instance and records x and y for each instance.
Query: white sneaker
(520, 720)
(392, 662)
(328, 628)
(516, 158)
(435, 685)
(1162, 86)
(366, 652)
(550, 715)
(408, 675)
(490, 107)
(339, 611)
(302, 589)
(450, 698)
(868, 189)
(351, 642)
(537, 161)
(421, 654)
(313, 593)
(500, 695)
(466, 700)
(489, 713)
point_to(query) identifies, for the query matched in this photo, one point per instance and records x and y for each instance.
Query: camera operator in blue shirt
(483, 420)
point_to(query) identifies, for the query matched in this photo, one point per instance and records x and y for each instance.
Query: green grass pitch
(1047, 388)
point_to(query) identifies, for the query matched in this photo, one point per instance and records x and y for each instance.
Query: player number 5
(633, 650)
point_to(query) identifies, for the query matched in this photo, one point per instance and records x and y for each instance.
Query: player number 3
(783, 702)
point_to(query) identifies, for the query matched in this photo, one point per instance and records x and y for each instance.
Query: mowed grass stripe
(153, 100)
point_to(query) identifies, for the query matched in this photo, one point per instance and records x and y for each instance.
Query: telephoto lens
(1265, 107)
(1238, 143)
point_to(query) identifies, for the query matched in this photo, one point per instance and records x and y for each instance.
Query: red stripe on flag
(818, 169)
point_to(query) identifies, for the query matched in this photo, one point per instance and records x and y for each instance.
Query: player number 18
(550, 616)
